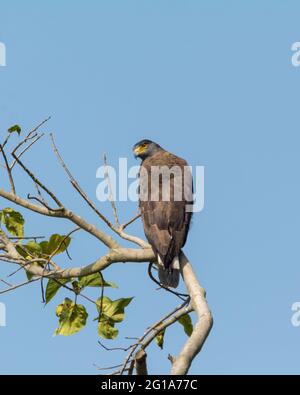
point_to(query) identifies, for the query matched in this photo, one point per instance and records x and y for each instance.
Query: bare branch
(25, 149)
(113, 256)
(26, 238)
(133, 239)
(204, 323)
(43, 203)
(76, 185)
(30, 135)
(37, 181)
(114, 348)
(13, 287)
(123, 226)
(6, 140)
(61, 213)
(11, 180)
(6, 283)
(109, 368)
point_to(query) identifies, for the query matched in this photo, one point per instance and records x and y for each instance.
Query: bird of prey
(165, 201)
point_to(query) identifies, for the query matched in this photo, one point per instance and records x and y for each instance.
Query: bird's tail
(169, 277)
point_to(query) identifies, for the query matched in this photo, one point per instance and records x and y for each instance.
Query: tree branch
(193, 346)
(37, 181)
(11, 180)
(141, 363)
(31, 135)
(115, 254)
(61, 213)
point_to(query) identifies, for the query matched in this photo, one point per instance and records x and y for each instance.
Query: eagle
(165, 202)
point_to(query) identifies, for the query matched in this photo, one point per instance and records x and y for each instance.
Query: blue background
(211, 81)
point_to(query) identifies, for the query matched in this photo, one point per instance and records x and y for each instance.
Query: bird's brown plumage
(166, 223)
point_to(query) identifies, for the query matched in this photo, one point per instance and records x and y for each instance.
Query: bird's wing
(166, 223)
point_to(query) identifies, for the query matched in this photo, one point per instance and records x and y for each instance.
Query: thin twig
(26, 238)
(25, 149)
(30, 135)
(109, 367)
(24, 265)
(72, 290)
(41, 197)
(42, 290)
(37, 181)
(114, 348)
(6, 283)
(75, 183)
(63, 241)
(6, 140)
(123, 226)
(18, 286)
(44, 204)
(11, 180)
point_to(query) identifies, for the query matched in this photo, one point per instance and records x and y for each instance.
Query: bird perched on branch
(165, 201)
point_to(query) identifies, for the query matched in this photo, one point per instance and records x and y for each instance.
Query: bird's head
(145, 148)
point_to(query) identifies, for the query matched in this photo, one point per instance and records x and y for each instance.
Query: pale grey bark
(192, 347)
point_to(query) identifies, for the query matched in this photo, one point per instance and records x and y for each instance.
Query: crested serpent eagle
(165, 201)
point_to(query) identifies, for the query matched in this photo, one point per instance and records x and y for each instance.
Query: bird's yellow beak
(139, 150)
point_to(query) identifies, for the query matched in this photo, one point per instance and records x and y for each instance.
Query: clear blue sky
(209, 80)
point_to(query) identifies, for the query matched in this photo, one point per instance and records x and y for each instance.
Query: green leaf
(30, 249)
(114, 309)
(56, 245)
(15, 129)
(72, 317)
(107, 330)
(95, 280)
(103, 303)
(29, 276)
(52, 288)
(34, 248)
(112, 312)
(186, 322)
(13, 221)
(160, 338)
(117, 309)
